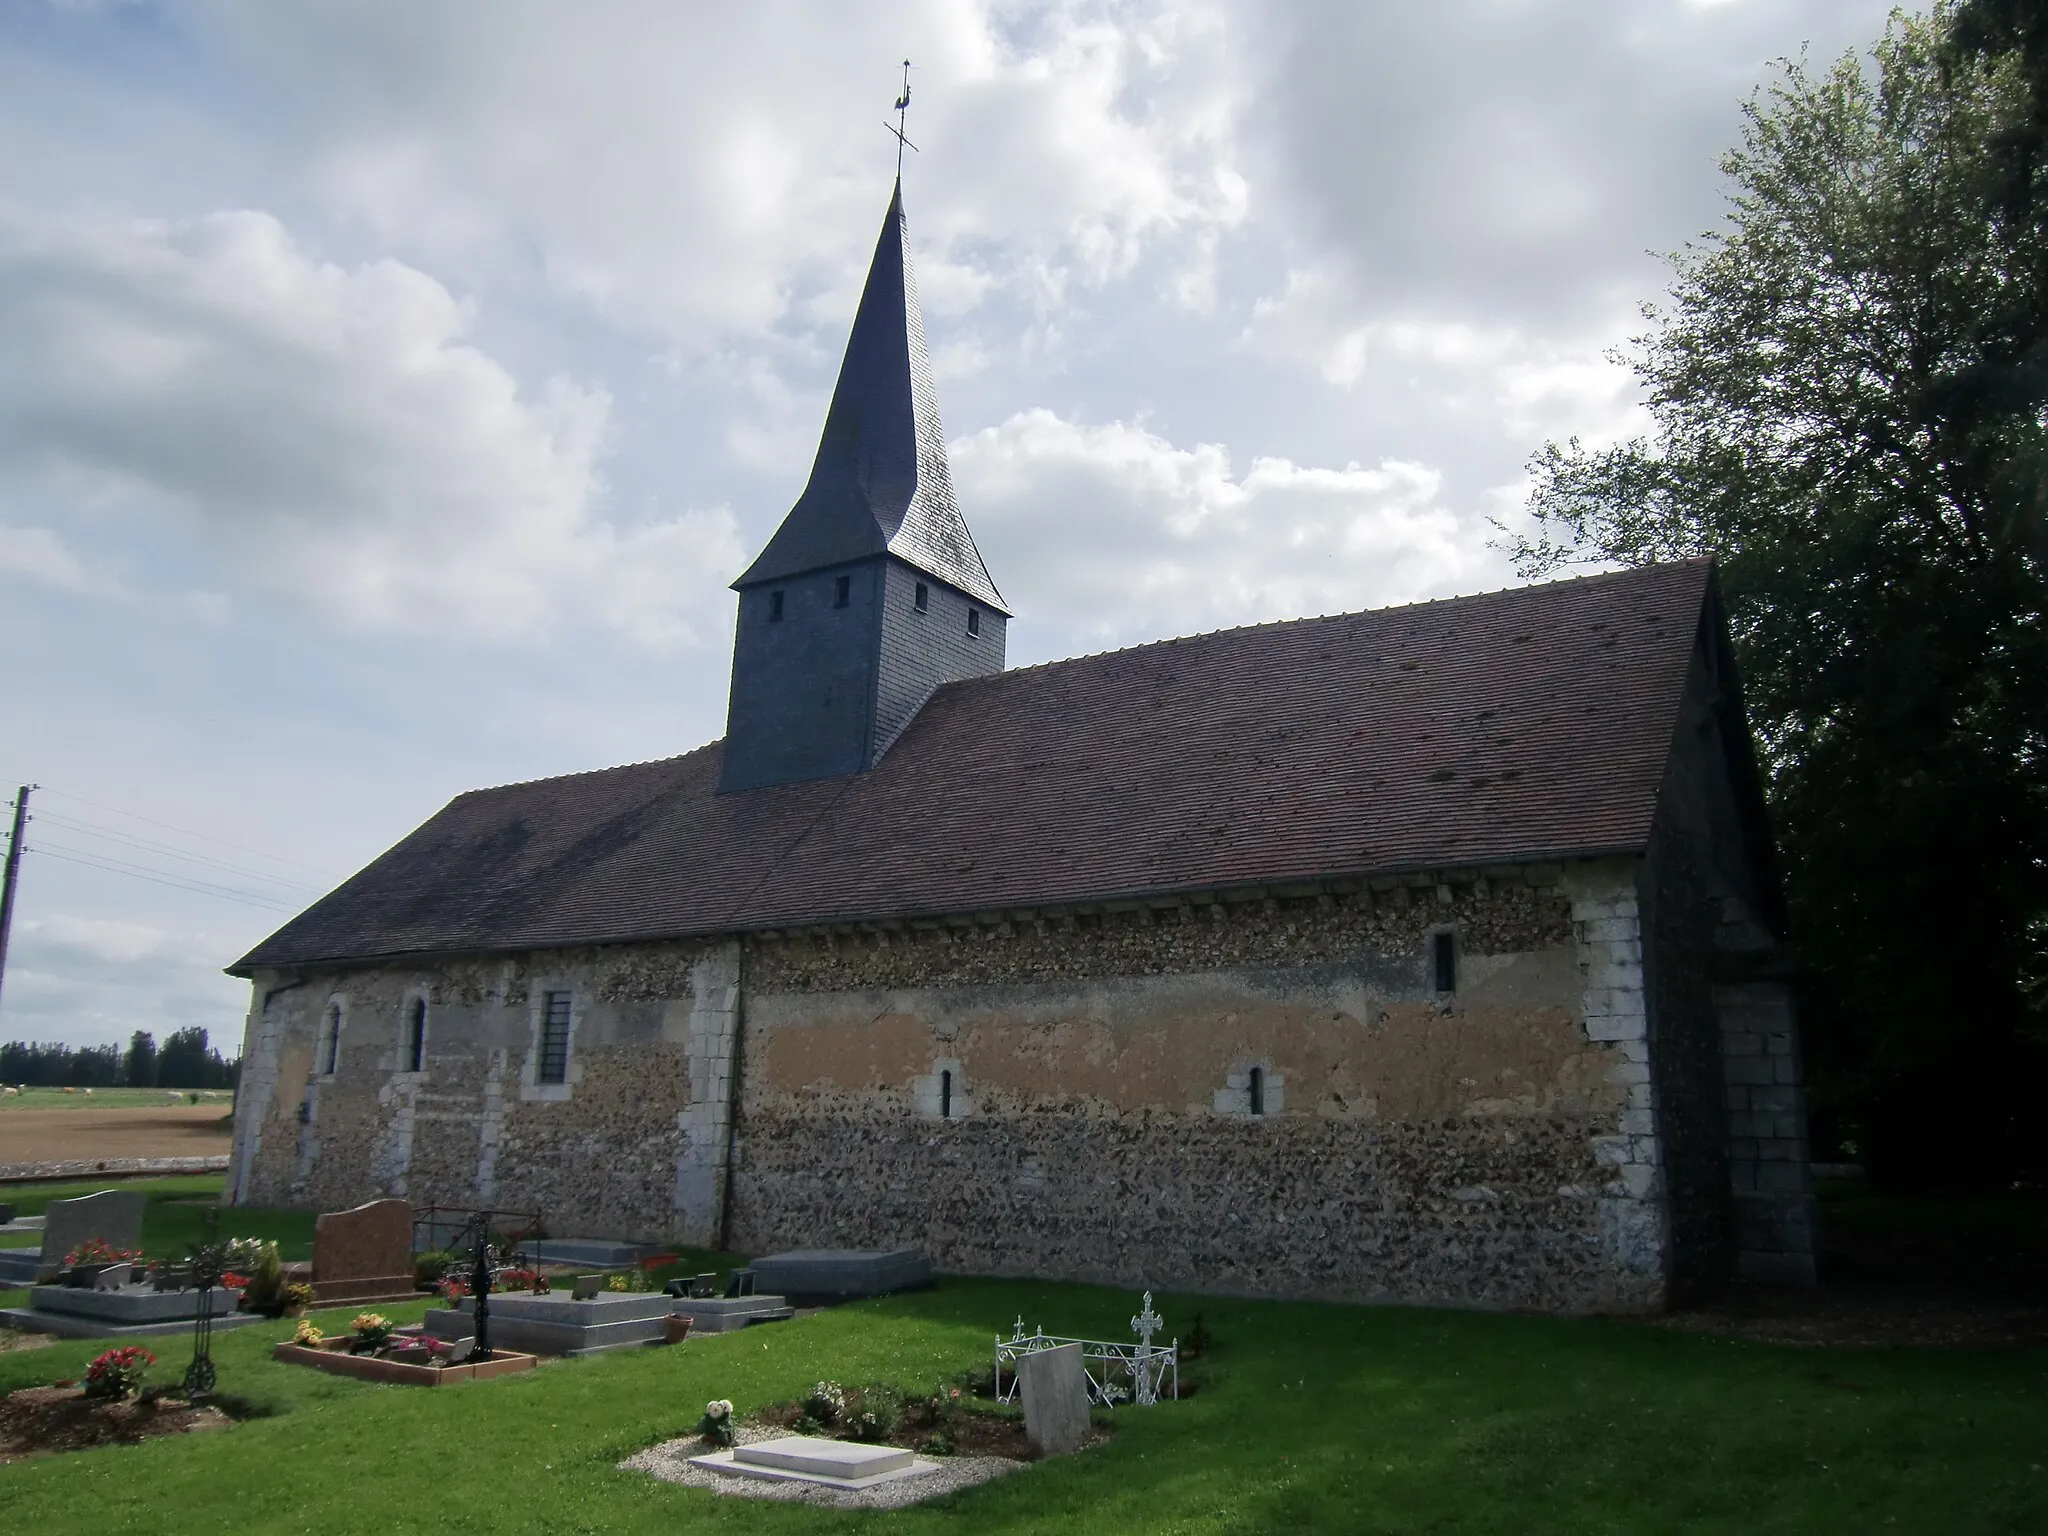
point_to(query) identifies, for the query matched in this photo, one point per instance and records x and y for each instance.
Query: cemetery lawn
(1308, 1419)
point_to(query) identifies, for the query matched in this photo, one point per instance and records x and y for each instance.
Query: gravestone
(114, 1216)
(364, 1254)
(1054, 1384)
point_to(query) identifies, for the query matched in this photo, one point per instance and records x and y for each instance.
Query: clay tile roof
(1531, 724)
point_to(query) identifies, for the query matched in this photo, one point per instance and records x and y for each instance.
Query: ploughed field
(1307, 1419)
(92, 1130)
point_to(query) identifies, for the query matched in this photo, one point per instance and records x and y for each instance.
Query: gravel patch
(670, 1461)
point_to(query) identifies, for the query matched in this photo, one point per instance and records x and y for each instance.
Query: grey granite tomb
(113, 1215)
(556, 1324)
(841, 1274)
(1054, 1385)
(726, 1314)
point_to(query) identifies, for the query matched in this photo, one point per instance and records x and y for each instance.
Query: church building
(1426, 954)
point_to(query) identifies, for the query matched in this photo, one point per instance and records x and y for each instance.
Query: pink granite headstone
(364, 1254)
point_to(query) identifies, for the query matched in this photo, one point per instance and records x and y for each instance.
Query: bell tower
(872, 593)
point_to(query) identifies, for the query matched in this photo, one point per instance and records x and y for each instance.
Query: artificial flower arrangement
(453, 1290)
(368, 1331)
(97, 1250)
(233, 1281)
(298, 1296)
(520, 1280)
(716, 1426)
(118, 1372)
(307, 1336)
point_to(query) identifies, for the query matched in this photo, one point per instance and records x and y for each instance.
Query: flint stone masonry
(1502, 1146)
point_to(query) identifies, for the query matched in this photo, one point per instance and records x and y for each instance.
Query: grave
(726, 1314)
(130, 1305)
(363, 1254)
(1054, 1385)
(587, 1252)
(555, 1324)
(114, 1216)
(808, 1459)
(825, 1275)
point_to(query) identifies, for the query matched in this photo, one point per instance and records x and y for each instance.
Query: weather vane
(902, 118)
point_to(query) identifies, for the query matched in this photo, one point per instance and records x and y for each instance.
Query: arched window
(330, 1048)
(1256, 1089)
(416, 1036)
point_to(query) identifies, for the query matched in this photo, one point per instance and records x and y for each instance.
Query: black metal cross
(208, 1261)
(480, 1290)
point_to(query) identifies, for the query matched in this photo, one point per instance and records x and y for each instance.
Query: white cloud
(105, 939)
(699, 172)
(39, 555)
(1116, 534)
(328, 430)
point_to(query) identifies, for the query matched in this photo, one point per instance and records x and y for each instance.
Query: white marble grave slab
(811, 1459)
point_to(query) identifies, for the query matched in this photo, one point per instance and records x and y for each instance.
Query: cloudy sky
(388, 392)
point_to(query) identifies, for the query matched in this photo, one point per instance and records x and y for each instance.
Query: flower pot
(676, 1328)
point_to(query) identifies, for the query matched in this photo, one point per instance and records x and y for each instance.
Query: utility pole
(13, 872)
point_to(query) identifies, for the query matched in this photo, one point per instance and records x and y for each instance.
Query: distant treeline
(184, 1060)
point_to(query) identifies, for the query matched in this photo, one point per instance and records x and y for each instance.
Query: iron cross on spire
(902, 119)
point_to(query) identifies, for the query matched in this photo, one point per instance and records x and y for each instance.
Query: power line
(204, 837)
(150, 845)
(138, 872)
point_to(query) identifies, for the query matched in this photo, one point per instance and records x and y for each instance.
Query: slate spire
(880, 484)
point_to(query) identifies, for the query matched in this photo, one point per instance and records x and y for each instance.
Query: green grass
(174, 1218)
(112, 1098)
(1310, 1419)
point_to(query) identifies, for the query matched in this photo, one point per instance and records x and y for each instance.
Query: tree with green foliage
(1849, 386)
(138, 1070)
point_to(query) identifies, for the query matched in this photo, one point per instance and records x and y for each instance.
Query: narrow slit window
(331, 1052)
(1256, 1090)
(1446, 954)
(416, 1036)
(554, 1039)
(774, 607)
(923, 601)
(946, 1095)
(842, 591)
(974, 621)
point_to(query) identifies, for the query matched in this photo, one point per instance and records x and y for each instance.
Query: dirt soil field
(51, 1135)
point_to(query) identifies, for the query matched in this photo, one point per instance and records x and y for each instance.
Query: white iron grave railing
(1142, 1372)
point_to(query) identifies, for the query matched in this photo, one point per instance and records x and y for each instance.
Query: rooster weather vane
(902, 118)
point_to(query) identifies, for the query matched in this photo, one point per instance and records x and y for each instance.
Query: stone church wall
(1414, 1146)
(1068, 1097)
(617, 1150)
